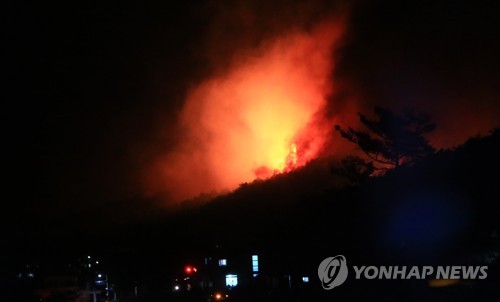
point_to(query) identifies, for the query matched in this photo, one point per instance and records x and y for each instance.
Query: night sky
(94, 90)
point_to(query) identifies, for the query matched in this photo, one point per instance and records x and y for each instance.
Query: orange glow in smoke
(262, 117)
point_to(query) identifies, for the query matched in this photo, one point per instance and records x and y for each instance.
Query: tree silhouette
(355, 169)
(392, 139)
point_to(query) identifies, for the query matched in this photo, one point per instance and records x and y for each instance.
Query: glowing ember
(260, 118)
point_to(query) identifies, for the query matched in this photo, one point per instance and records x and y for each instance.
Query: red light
(190, 269)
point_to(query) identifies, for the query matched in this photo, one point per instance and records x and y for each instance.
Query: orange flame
(260, 118)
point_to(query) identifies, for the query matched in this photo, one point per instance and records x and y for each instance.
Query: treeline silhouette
(442, 207)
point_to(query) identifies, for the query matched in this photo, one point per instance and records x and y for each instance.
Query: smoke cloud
(263, 116)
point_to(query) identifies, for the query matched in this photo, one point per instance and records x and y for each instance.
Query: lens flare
(261, 117)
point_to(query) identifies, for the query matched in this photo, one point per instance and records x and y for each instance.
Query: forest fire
(262, 117)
